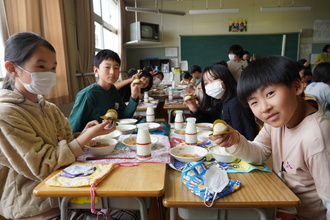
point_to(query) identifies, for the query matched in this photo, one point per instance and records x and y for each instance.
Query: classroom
(128, 109)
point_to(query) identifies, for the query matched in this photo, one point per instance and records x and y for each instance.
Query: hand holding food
(220, 127)
(111, 115)
(224, 135)
(188, 97)
(137, 81)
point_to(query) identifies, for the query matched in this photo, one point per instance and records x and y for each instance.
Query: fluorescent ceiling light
(213, 11)
(291, 8)
(157, 11)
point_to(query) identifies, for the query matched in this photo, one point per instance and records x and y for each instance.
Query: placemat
(122, 154)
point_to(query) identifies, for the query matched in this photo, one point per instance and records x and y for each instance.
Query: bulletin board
(207, 50)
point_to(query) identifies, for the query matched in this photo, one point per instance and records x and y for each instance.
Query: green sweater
(93, 102)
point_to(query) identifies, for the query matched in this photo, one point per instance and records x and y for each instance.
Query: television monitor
(144, 31)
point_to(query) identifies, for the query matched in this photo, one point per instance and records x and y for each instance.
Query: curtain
(3, 35)
(46, 19)
(121, 34)
(85, 41)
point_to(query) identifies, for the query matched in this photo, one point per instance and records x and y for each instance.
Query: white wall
(209, 24)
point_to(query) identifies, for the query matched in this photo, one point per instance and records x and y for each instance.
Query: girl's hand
(228, 139)
(192, 104)
(135, 90)
(93, 129)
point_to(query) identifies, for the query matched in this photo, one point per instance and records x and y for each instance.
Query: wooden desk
(177, 104)
(144, 180)
(259, 190)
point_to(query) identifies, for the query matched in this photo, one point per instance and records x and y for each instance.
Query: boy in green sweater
(95, 100)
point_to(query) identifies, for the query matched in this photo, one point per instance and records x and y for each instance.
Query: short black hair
(131, 72)
(186, 75)
(264, 72)
(159, 73)
(105, 55)
(236, 49)
(195, 68)
(321, 72)
(325, 48)
(148, 75)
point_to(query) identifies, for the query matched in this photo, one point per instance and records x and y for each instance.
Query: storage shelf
(141, 43)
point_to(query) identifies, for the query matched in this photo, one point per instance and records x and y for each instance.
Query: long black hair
(218, 71)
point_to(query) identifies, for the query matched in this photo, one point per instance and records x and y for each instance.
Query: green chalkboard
(206, 50)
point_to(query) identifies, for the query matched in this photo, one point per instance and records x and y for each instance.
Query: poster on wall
(238, 24)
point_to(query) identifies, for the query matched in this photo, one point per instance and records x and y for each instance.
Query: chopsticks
(104, 158)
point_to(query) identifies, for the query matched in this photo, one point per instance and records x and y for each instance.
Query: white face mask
(231, 56)
(42, 82)
(215, 89)
(157, 81)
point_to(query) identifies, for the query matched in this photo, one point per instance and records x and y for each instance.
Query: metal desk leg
(169, 113)
(64, 201)
(173, 213)
(261, 213)
(143, 208)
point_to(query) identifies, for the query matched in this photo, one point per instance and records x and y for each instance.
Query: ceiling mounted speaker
(306, 32)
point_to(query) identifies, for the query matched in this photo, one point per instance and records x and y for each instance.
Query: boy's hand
(227, 140)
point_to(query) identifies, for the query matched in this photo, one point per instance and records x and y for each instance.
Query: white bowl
(127, 121)
(126, 129)
(179, 134)
(203, 135)
(204, 126)
(99, 147)
(113, 135)
(220, 154)
(131, 141)
(188, 153)
(153, 126)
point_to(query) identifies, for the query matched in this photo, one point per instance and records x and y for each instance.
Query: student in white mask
(235, 63)
(158, 78)
(36, 138)
(220, 102)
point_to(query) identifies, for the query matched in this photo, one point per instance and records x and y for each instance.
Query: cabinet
(156, 62)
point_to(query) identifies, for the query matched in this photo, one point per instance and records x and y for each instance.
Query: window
(106, 18)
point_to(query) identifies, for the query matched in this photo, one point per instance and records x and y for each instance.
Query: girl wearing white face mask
(34, 131)
(220, 102)
(235, 64)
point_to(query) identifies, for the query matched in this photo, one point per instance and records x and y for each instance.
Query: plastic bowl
(153, 126)
(188, 153)
(131, 141)
(179, 134)
(204, 126)
(99, 147)
(203, 135)
(113, 135)
(127, 121)
(126, 129)
(221, 155)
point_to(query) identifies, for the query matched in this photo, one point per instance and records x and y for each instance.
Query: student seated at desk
(320, 88)
(36, 138)
(294, 133)
(186, 78)
(95, 100)
(124, 87)
(220, 102)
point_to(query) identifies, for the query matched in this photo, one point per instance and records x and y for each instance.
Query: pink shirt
(305, 153)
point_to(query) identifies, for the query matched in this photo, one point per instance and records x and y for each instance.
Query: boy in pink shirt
(295, 134)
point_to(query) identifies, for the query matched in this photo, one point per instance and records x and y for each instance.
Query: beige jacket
(30, 151)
